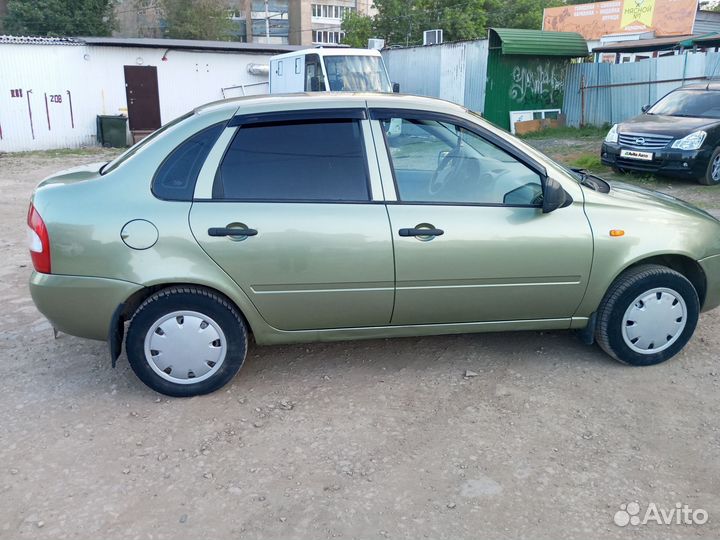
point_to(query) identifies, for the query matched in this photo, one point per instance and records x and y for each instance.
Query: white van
(329, 70)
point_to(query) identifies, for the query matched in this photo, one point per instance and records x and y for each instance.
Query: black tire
(623, 292)
(707, 179)
(189, 299)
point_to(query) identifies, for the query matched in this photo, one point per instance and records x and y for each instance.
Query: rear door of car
(471, 241)
(295, 216)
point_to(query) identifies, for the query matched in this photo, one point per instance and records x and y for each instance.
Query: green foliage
(567, 132)
(358, 29)
(516, 14)
(197, 19)
(59, 17)
(591, 162)
(402, 22)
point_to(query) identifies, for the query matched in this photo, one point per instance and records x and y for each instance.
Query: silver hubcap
(654, 321)
(185, 347)
(716, 169)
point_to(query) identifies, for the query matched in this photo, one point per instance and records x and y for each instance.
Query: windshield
(130, 152)
(356, 74)
(698, 103)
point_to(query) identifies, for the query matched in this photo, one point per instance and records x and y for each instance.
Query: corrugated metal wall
(616, 92)
(706, 22)
(92, 79)
(523, 83)
(452, 71)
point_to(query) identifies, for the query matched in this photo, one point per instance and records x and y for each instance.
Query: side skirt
(273, 336)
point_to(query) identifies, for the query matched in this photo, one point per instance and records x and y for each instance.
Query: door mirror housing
(645, 108)
(554, 196)
(442, 154)
(396, 88)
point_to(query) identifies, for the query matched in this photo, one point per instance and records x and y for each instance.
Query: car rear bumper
(77, 305)
(679, 163)
(711, 268)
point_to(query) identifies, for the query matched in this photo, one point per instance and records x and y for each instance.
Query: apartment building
(293, 22)
(297, 22)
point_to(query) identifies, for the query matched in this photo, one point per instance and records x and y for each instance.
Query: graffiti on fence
(542, 82)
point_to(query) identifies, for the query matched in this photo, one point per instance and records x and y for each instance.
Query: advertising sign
(592, 21)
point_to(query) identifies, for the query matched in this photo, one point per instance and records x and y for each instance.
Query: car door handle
(421, 232)
(231, 231)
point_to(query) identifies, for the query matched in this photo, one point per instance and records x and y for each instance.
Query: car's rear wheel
(647, 316)
(712, 173)
(186, 341)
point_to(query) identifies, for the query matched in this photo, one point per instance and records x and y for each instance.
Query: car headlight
(612, 135)
(691, 142)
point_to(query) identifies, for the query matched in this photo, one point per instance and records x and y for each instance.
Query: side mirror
(442, 154)
(530, 193)
(554, 196)
(645, 108)
(396, 88)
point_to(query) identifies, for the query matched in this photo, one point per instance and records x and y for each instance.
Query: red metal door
(143, 101)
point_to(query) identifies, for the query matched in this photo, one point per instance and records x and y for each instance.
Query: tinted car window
(130, 152)
(440, 162)
(176, 177)
(700, 103)
(300, 161)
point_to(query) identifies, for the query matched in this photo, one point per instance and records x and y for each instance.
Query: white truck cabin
(329, 70)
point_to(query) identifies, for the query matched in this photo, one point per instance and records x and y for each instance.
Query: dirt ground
(369, 439)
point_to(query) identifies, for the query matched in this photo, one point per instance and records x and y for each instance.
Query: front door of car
(291, 219)
(471, 241)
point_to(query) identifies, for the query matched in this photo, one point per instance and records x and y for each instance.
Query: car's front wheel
(186, 341)
(712, 173)
(647, 316)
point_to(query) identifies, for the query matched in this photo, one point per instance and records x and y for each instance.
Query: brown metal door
(143, 101)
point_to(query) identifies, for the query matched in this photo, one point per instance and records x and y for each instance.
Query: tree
(519, 13)
(197, 19)
(59, 17)
(402, 22)
(358, 29)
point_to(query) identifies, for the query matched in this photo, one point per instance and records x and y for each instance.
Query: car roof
(710, 86)
(314, 100)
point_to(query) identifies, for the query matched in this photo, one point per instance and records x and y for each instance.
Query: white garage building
(52, 89)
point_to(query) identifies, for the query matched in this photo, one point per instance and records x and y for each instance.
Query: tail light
(38, 241)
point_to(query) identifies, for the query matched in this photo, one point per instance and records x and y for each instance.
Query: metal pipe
(582, 100)
(32, 128)
(267, 22)
(258, 69)
(47, 112)
(72, 118)
(643, 82)
(241, 87)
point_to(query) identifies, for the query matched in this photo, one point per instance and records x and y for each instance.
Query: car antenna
(712, 75)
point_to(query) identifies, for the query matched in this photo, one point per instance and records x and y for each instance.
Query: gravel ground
(373, 439)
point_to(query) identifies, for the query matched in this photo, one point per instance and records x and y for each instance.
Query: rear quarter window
(175, 178)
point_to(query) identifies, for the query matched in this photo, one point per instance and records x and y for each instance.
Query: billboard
(592, 21)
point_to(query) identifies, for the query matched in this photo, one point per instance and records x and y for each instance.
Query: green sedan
(350, 216)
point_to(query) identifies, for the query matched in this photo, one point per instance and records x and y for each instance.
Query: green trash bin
(112, 130)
